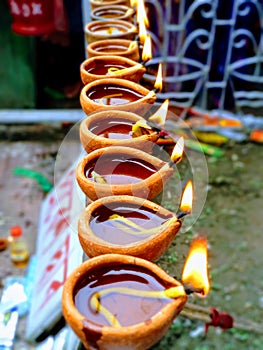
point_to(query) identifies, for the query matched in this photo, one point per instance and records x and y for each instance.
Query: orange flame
(187, 198)
(132, 45)
(158, 85)
(195, 272)
(147, 49)
(141, 13)
(178, 150)
(159, 116)
(142, 32)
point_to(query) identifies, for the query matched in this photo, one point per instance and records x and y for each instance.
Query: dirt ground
(231, 220)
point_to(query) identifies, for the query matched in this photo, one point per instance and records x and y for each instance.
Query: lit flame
(141, 13)
(132, 45)
(187, 198)
(142, 32)
(159, 116)
(195, 272)
(178, 150)
(158, 85)
(133, 3)
(147, 49)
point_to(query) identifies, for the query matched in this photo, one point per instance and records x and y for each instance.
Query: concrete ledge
(35, 125)
(17, 116)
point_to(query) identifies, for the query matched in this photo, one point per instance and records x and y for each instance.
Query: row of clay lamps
(119, 298)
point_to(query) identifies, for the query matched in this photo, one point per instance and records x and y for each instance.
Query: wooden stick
(196, 312)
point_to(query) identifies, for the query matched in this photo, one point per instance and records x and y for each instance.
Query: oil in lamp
(98, 3)
(107, 12)
(111, 29)
(115, 128)
(101, 67)
(130, 225)
(114, 93)
(118, 170)
(117, 47)
(122, 94)
(116, 301)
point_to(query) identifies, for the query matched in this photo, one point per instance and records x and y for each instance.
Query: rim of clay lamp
(140, 106)
(91, 141)
(98, 3)
(91, 34)
(133, 70)
(130, 48)
(147, 188)
(123, 12)
(150, 248)
(139, 336)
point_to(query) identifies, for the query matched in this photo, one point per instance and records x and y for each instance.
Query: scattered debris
(40, 179)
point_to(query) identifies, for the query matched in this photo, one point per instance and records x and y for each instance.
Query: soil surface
(230, 219)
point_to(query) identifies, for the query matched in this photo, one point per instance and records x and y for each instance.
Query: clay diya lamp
(114, 93)
(111, 29)
(98, 3)
(129, 225)
(118, 170)
(115, 128)
(107, 12)
(120, 302)
(116, 301)
(95, 68)
(116, 47)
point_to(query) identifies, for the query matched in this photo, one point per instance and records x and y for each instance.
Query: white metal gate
(211, 52)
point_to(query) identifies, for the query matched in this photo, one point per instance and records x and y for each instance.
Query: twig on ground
(196, 312)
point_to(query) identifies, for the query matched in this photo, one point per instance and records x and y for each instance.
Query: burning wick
(141, 38)
(186, 200)
(195, 272)
(157, 120)
(155, 123)
(131, 227)
(177, 153)
(141, 13)
(158, 85)
(147, 49)
(95, 301)
(194, 277)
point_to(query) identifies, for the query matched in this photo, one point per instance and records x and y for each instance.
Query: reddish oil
(120, 169)
(111, 13)
(109, 29)
(106, 229)
(113, 94)
(103, 68)
(111, 49)
(112, 128)
(128, 310)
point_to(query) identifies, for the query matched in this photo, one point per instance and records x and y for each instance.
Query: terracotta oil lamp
(98, 3)
(114, 93)
(116, 301)
(128, 225)
(116, 47)
(98, 67)
(111, 29)
(118, 170)
(107, 12)
(114, 128)
(131, 328)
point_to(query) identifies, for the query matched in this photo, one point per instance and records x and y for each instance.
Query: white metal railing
(211, 52)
